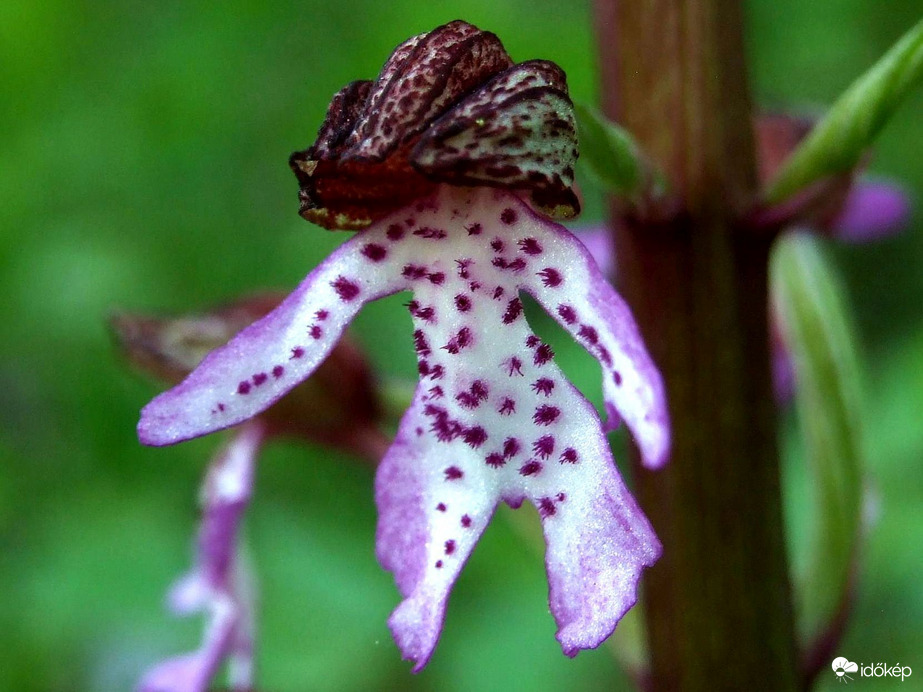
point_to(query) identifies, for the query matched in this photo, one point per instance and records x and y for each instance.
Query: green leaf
(816, 325)
(610, 151)
(837, 142)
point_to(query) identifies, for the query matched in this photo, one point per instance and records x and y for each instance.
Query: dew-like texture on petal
(268, 358)
(217, 584)
(571, 287)
(494, 419)
(872, 210)
(429, 522)
(596, 552)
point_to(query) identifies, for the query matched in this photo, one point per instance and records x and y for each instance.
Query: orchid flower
(451, 163)
(336, 408)
(217, 584)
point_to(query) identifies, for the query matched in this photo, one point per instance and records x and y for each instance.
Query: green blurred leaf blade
(817, 327)
(837, 143)
(610, 151)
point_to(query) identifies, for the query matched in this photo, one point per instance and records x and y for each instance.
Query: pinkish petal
(599, 542)
(872, 210)
(216, 583)
(268, 358)
(569, 285)
(429, 522)
(494, 419)
(192, 672)
(187, 673)
(598, 241)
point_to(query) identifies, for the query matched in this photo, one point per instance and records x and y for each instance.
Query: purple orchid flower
(217, 584)
(434, 161)
(337, 407)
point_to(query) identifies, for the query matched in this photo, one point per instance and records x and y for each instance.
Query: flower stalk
(718, 605)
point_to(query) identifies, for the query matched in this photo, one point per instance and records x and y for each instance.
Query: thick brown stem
(718, 603)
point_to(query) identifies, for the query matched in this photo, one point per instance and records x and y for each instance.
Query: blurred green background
(143, 166)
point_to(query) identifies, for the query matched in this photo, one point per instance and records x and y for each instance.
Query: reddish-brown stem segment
(718, 604)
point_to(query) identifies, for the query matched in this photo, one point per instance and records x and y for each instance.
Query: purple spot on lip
(459, 341)
(220, 406)
(543, 354)
(475, 437)
(508, 216)
(414, 271)
(277, 371)
(466, 521)
(473, 229)
(569, 456)
(544, 446)
(438, 564)
(507, 406)
(420, 344)
(546, 415)
(496, 245)
(498, 292)
(513, 311)
(441, 507)
(546, 507)
(510, 447)
(430, 233)
(394, 232)
(551, 277)
(375, 252)
(297, 352)
(617, 377)
(259, 378)
(589, 333)
(427, 314)
(321, 315)
(543, 385)
(453, 473)
(530, 246)
(567, 313)
(449, 547)
(462, 303)
(530, 468)
(495, 460)
(315, 331)
(243, 387)
(479, 389)
(514, 365)
(436, 278)
(346, 289)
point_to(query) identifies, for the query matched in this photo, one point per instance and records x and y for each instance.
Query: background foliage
(143, 167)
